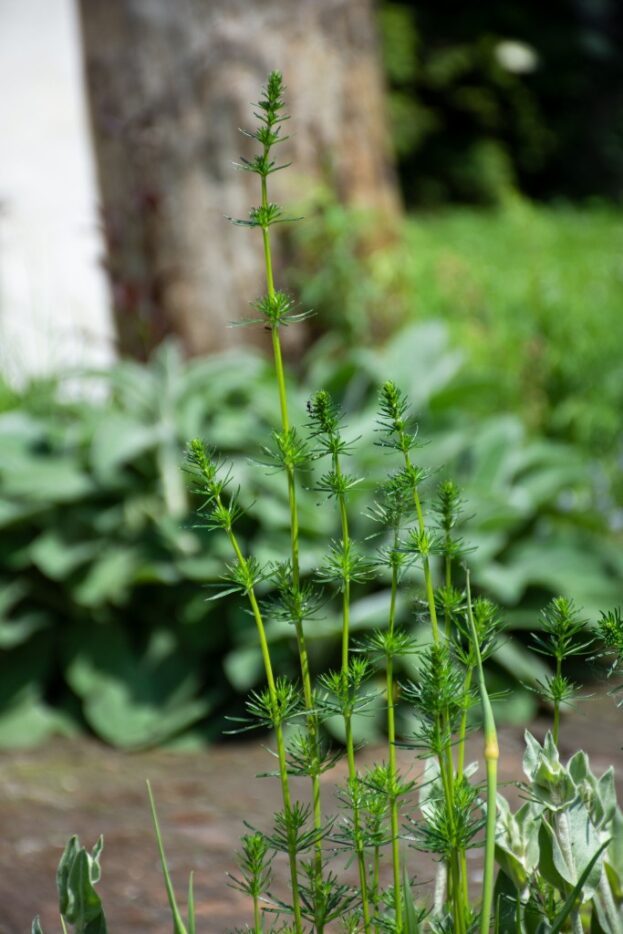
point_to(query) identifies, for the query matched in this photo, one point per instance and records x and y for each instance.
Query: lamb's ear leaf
(87, 914)
(576, 892)
(70, 852)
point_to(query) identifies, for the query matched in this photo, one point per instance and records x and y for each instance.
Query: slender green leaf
(178, 924)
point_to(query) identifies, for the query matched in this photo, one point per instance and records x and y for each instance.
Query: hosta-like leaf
(57, 556)
(134, 699)
(118, 440)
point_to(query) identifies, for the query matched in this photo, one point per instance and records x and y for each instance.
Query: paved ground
(85, 788)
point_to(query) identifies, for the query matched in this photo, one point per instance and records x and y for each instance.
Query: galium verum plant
(559, 857)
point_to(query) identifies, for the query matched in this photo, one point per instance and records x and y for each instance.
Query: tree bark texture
(170, 82)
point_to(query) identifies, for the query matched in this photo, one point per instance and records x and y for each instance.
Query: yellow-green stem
(283, 766)
(492, 754)
(556, 726)
(393, 776)
(460, 768)
(281, 748)
(350, 746)
(457, 909)
(312, 720)
(428, 580)
(455, 886)
(256, 915)
(446, 763)
(447, 621)
(361, 858)
(376, 899)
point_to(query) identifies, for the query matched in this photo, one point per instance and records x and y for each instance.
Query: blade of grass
(178, 925)
(191, 904)
(411, 923)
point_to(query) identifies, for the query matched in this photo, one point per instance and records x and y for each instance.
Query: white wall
(54, 308)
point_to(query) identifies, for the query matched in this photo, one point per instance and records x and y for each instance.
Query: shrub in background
(531, 294)
(105, 619)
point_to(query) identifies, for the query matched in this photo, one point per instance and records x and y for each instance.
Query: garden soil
(79, 786)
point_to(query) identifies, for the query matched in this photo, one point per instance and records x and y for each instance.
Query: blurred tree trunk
(169, 84)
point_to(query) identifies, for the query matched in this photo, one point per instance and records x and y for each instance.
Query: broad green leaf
(57, 557)
(550, 782)
(517, 844)
(525, 665)
(562, 865)
(119, 439)
(78, 871)
(606, 916)
(552, 864)
(134, 699)
(575, 896)
(506, 903)
(244, 667)
(109, 578)
(25, 667)
(29, 721)
(45, 479)
(614, 855)
(19, 629)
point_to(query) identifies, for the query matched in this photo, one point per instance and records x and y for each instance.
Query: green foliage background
(106, 618)
(532, 294)
(500, 317)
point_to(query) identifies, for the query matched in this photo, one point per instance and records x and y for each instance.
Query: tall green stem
(457, 879)
(361, 860)
(391, 739)
(448, 566)
(492, 754)
(428, 577)
(281, 746)
(376, 875)
(556, 726)
(460, 768)
(350, 746)
(312, 720)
